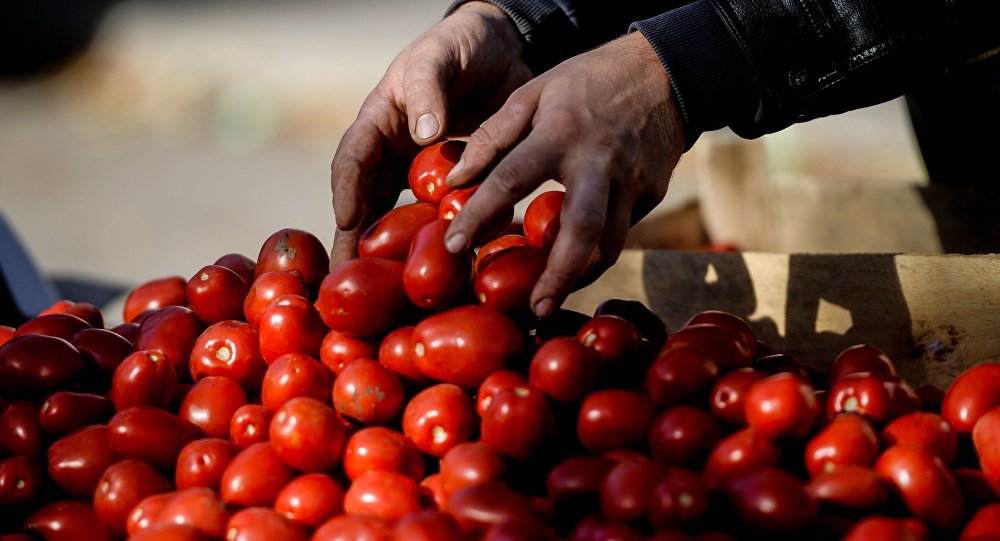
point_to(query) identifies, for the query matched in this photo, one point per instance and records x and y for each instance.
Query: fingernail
(545, 307)
(455, 243)
(459, 165)
(427, 126)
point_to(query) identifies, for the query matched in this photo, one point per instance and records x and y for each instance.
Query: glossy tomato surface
(430, 167)
(293, 375)
(368, 392)
(613, 418)
(925, 484)
(294, 249)
(230, 349)
(155, 294)
(362, 297)
(438, 418)
(390, 237)
(290, 325)
(216, 294)
(255, 477)
(310, 499)
(382, 448)
(433, 277)
(541, 219)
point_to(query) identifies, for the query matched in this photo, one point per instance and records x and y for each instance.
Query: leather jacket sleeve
(759, 66)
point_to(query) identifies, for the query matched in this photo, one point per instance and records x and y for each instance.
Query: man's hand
(604, 124)
(472, 58)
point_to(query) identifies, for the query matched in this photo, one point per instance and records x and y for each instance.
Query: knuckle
(506, 180)
(562, 124)
(587, 222)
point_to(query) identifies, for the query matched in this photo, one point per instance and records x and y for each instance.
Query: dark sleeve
(555, 30)
(759, 66)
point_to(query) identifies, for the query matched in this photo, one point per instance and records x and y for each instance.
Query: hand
(472, 58)
(605, 124)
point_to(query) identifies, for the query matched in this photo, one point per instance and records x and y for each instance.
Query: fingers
(524, 168)
(612, 241)
(495, 136)
(581, 225)
(358, 154)
(424, 96)
(345, 246)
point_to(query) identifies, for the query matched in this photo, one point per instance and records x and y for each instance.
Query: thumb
(425, 98)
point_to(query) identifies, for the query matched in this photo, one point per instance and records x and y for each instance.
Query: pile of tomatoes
(409, 394)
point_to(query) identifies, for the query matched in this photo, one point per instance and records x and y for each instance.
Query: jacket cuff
(549, 35)
(712, 78)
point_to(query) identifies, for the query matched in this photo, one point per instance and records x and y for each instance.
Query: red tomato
(105, 348)
(128, 331)
(154, 435)
(726, 349)
(38, 365)
(861, 358)
(975, 487)
(923, 428)
(391, 236)
(847, 440)
(263, 524)
(626, 488)
(58, 325)
(565, 369)
(433, 491)
(353, 528)
(466, 344)
(430, 167)
(493, 383)
(453, 203)
(612, 418)
(427, 526)
(201, 463)
(925, 484)
(680, 374)
(734, 325)
(290, 325)
(76, 462)
(594, 528)
(986, 439)
(243, 266)
(68, 521)
(683, 435)
(294, 249)
(66, 412)
(144, 378)
(199, 508)
(577, 477)
(986, 522)
(478, 507)
(293, 375)
(368, 392)
(338, 349)
(883, 529)
(782, 406)
(255, 476)
(438, 418)
(771, 500)
(492, 248)
(20, 431)
(155, 294)
(679, 498)
(249, 425)
(380, 448)
(396, 353)
(931, 397)
(878, 397)
(779, 363)
(541, 219)
(308, 434)
(850, 487)
(650, 326)
(269, 286)
(217, 294)
(146, 513)
(172, 331)
(58, 307)
(123, 485)
(470, 463)
(518, 421)
(362, 297)
(6, 333)
(311, 499)
(613, 338)
(21, 480)
(384, 494)
(739, 452)
(506, 283)
(230, 349)
(432, 276)
(168, 532)
(971, 395)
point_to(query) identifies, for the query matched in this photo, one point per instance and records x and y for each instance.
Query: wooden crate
(934, 315)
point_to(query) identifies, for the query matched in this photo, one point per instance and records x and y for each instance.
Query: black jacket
(759, 66)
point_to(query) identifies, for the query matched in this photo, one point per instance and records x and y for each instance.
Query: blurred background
(140, 139)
